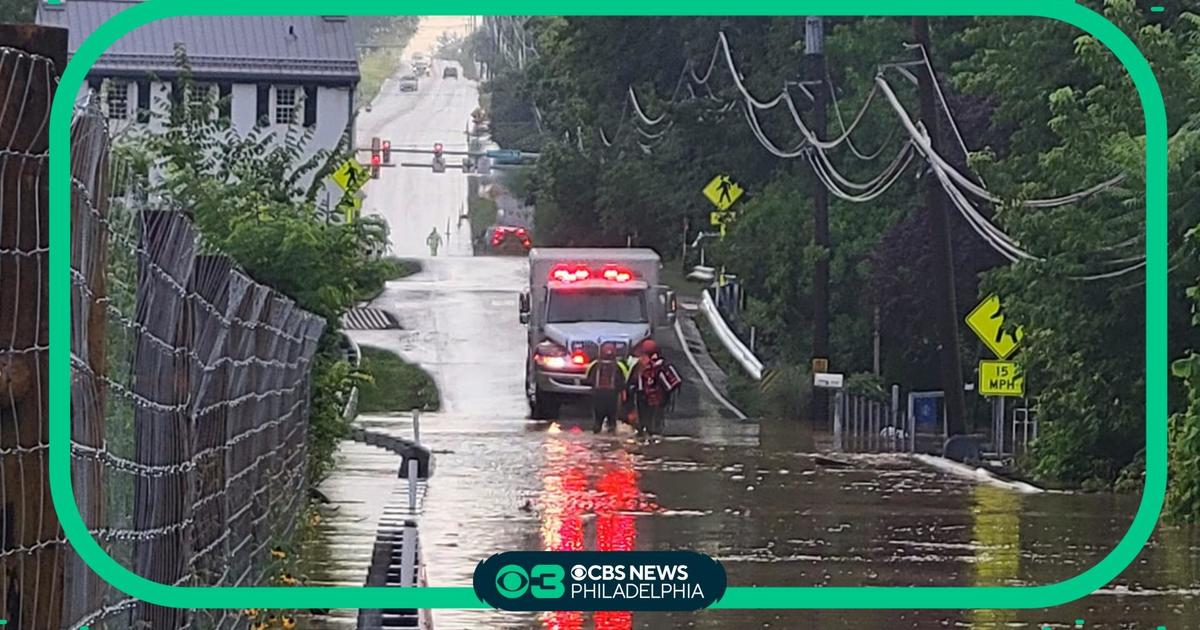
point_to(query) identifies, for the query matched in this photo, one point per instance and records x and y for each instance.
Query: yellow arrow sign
(722, 192)
(987, 320)
(1000, 378)
(350, 176)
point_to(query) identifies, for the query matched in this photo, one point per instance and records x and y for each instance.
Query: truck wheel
(543, 407)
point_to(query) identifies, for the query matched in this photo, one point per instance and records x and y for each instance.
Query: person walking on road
(434, 241)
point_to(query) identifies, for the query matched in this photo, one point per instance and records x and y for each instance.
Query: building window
(116, 99)
(286, 106)
(199, 93)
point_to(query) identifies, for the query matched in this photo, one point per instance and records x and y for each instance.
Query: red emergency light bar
(577, 273)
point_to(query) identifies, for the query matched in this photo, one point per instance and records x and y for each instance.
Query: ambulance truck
(578, 301)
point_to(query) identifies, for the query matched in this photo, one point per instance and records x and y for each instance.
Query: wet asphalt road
(751, 495)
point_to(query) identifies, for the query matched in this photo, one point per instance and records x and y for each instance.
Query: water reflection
(589, 481)
(996, 536)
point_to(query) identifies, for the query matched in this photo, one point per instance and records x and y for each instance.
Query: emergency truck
(578, 301)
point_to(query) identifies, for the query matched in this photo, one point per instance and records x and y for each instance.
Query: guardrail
(354, 356)
(740, 352)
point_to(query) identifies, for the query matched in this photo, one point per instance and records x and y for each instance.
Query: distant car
(408, 83)
(450, 72)
(510, 239)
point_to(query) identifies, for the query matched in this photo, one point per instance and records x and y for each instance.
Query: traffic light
(374, 167)
(437, 149)
(387, 151)
(374, 149)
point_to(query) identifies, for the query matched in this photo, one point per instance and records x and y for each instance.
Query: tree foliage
(1040, 110)
(251, 196)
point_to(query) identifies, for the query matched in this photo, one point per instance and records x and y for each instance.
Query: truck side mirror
(523, 303)
(664, 301)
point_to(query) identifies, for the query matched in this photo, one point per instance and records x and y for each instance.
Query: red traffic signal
(437, 148)
(374, 160)
(374, 167)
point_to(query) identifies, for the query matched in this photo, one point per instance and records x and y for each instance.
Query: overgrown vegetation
(481, 212)
(252, 197)
(1042, 110)
(383, 39)
(396, 385)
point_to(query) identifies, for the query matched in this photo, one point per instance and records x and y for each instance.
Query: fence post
(30, 573)
(161, 389)
(896, 435)
(838, 400)
(416, 415)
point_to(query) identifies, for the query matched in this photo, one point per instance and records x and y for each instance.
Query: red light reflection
(582, 482)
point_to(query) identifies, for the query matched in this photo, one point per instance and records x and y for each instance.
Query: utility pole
(814, 50)
(945, 302)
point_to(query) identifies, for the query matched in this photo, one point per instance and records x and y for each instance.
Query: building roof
(301, 48)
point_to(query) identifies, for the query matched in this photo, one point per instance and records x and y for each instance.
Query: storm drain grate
(369, 319)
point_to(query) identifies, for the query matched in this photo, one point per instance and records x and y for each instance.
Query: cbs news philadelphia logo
(589, 580)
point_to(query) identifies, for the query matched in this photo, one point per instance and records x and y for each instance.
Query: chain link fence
(189, 387)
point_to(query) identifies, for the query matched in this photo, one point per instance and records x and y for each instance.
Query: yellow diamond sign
(987, 320)
(350, 176)
(1000, 378)
(722, 192)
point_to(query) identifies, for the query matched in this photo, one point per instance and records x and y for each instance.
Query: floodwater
(751, 495)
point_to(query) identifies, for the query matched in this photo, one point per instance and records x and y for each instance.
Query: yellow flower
(289, 623)
(250, 612)
(278, 553)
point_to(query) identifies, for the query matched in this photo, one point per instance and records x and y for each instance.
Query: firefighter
(653, 383)
(607, 376)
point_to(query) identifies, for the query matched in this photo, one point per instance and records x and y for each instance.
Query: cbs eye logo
(544, 581)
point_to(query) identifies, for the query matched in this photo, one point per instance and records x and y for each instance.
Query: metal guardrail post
(416, 417)
(412, 484)
(896, 435)
(408, 555)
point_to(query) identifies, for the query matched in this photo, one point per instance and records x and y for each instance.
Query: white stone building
(278, 71)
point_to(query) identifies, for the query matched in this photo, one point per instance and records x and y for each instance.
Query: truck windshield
(596, 305)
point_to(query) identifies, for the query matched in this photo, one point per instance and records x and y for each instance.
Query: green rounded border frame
(736, 597)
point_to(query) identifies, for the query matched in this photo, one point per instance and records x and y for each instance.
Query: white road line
(704, 376)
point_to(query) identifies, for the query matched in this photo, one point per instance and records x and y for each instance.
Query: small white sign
(827, 381)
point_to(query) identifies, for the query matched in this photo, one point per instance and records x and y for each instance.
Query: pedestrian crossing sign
(350, 176)
(722, 192)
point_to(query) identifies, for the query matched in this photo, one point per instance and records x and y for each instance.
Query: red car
(510, 238)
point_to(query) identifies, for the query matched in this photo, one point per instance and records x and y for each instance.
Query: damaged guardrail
(740, 352)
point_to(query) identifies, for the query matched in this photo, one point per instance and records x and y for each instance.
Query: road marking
(703, 376)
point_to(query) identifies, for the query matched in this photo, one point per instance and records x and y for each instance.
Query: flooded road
(752, 495)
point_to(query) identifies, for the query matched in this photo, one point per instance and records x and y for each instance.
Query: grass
(482, 213)
(375, 67)
(394, 269)
(742, 390)
(398, 386)
(673, 276)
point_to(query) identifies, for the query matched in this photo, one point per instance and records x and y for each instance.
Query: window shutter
(143, 101)
(263, 109)
(224, 90)
(310, 105)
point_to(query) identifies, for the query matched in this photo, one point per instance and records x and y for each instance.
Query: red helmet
(648, 347)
